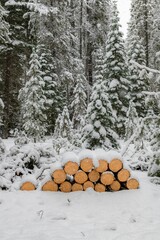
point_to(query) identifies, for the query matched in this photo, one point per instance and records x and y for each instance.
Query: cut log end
(77, 187)
(115, 186)
(123, 175)
(65, 187)
(28, 186)
(115, 165)
(87, 185)
(132, 183)
(107, 178)
(81, 177)
(103, 166)
(100, 187)
(71, 168)
(94, 176)
(50, 186)
(86, 164)
(59, 176)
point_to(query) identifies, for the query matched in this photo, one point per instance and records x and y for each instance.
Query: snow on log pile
(99, 170)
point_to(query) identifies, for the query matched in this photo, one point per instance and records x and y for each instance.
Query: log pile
(73, 176)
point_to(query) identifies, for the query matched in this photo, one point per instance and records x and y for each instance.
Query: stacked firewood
(74, 176)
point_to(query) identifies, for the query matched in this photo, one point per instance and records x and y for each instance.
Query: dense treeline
(66, 70)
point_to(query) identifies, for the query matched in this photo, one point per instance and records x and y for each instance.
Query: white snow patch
(69, 156)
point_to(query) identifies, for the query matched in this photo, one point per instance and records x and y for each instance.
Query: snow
(69, 156)
(125, 215)
(113, 155)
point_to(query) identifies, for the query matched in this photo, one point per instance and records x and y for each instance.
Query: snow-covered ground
(125, 215)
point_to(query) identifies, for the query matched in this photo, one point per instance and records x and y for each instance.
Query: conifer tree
(53, 98)
(154, 168)
(100, 117)
(132, 120)
(33, 101)
(116, 72)
(78, 104)
(63, 127)
(139, 83)
(4, 27)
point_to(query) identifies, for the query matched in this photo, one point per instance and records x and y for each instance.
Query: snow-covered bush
(2, 149)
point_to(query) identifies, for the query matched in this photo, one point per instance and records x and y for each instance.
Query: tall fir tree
(98, 132)
(64, 127)
(139, 82)
(33, 101)
(116, 72)
(78, 104)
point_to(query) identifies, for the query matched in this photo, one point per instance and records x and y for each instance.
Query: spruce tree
(116, 72)
(53, 98)
(138, 83)
(63, 127)
(78, 104)
(98, 132)
(33, 101)
(154, 168)
(4, 27)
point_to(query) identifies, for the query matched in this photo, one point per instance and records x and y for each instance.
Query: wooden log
(77, 187)
(115, 165)
(123, 175)
(65, 187)
(88, 184)
(100, 187)
(107, 178)
(81, 177)
(71, 167)
(94, 176)
(59, 176)
(28, 186)
(132, 183)
(115, 186)
(103, 166)
(86, 164)
(50, 186)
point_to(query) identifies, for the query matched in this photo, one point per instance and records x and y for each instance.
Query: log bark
(86, 164)
(132, 183)
(50, 186)
(77, 187)
(71, 168)
(88, 184)
(100, 187)
(28, 186)
(103, 166)
(59, 176)
(81, 177)
(115, 186)
(65, 187)
(94, 176)
(123, 175)
(115, 165)
(107, 178)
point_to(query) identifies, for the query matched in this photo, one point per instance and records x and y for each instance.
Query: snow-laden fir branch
(145, 67)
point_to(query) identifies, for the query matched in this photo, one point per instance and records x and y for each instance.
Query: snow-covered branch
(145, 67)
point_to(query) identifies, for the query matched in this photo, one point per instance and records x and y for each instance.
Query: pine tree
(33, 101)
(132, 120)
(63, 127)
(142, 16)
(53, 99)
(4, 27)
(116, 72)
(78, 104)
(138, 83)
(154, 169)
(100, 117)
